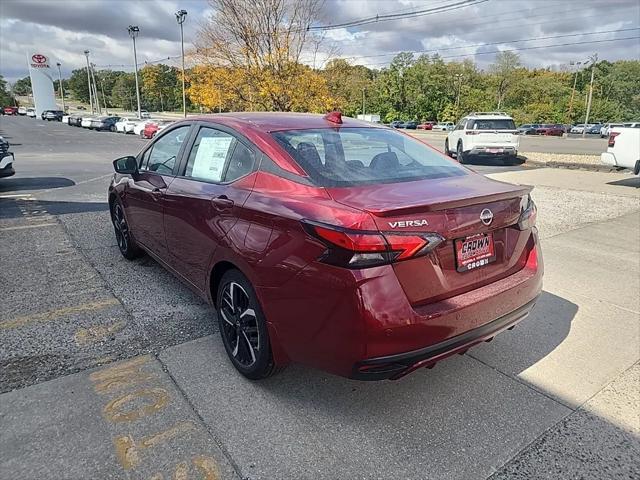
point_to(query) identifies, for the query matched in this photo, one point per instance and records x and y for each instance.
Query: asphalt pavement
(114, 369)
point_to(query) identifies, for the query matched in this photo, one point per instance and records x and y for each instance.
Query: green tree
(22, 87)
(503, 69)
(78, 86)
(6, 98)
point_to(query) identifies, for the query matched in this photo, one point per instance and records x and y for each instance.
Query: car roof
(274, 121)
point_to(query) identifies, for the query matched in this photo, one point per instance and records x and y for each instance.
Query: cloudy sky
(63, 29)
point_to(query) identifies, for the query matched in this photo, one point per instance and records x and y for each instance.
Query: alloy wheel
(121, 228)
(240, 324)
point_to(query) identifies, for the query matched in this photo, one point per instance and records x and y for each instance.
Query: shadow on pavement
(14, 207)
(627, 182)
(17, 184)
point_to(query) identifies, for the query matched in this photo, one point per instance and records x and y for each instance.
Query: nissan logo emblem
(37, 58)
(486, 216)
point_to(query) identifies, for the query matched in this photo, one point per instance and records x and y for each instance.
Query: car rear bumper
(393, 367)
(360, 323)
(493, 150)
(608, 158)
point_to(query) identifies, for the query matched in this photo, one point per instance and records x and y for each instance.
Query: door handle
(156, 193)
(222, 202)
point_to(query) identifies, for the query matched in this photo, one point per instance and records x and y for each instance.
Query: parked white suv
(483, 134)
(623, 148)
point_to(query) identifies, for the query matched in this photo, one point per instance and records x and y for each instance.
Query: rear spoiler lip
(438, 205)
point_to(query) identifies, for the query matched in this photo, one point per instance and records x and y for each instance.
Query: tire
(243, 327)
(126, 244)
(447, 152)
(460, 154)
(112, 128)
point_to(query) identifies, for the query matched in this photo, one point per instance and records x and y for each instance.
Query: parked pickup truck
(623, 149)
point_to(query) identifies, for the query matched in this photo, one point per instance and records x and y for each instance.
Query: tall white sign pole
(41, 75)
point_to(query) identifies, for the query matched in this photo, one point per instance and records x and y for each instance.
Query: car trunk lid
(452, 208)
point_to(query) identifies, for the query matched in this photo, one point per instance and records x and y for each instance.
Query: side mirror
(126, 165)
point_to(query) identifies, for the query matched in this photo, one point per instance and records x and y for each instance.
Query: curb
(591, 167)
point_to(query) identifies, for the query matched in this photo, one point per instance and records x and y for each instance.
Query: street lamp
(60, 85)
(86, 54)
(181, 17)
(133, 33)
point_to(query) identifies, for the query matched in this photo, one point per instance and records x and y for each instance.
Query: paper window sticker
(211, 157)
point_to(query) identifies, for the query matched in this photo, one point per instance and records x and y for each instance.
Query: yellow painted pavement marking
(115, 412)
(86, 336)
(128, 450)
(57, 313)
(125, 374)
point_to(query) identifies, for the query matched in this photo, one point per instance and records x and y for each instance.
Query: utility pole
(363, 102)
(95, 90)
(594, 60)
(60, 85)
(134, 30)
(86, 54)
(180, 17)
(573, 92)
(104, 99)
(459, 77)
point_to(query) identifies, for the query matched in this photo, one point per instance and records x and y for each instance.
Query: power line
(146, 62)
(398, 16)
(501, 42)
(531, 48)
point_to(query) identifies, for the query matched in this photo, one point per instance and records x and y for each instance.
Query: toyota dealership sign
(39, 61)
(41, 75)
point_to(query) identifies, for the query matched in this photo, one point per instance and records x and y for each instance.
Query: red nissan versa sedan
(335, 243)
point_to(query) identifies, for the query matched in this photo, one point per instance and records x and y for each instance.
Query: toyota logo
(37, 58)
(486, 216)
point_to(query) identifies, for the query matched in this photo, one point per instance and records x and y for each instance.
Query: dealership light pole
(133, 33)
(86, 54)
(60, 85)
(181, 17)
(594, 60)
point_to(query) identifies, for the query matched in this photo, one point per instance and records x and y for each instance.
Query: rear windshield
(358, 156)
(500, 124)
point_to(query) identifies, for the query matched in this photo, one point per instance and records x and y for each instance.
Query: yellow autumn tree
(253, 50)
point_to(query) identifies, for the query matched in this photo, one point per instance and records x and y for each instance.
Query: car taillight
(363, 248)
(612, 139)
(528, 213)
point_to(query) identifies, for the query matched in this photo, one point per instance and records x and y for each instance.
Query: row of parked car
(143, 127)
(413, 125)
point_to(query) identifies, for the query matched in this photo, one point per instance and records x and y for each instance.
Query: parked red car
(548, 129)
(328, 241)
(10, 110)
(150, 130)
(425, 126)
